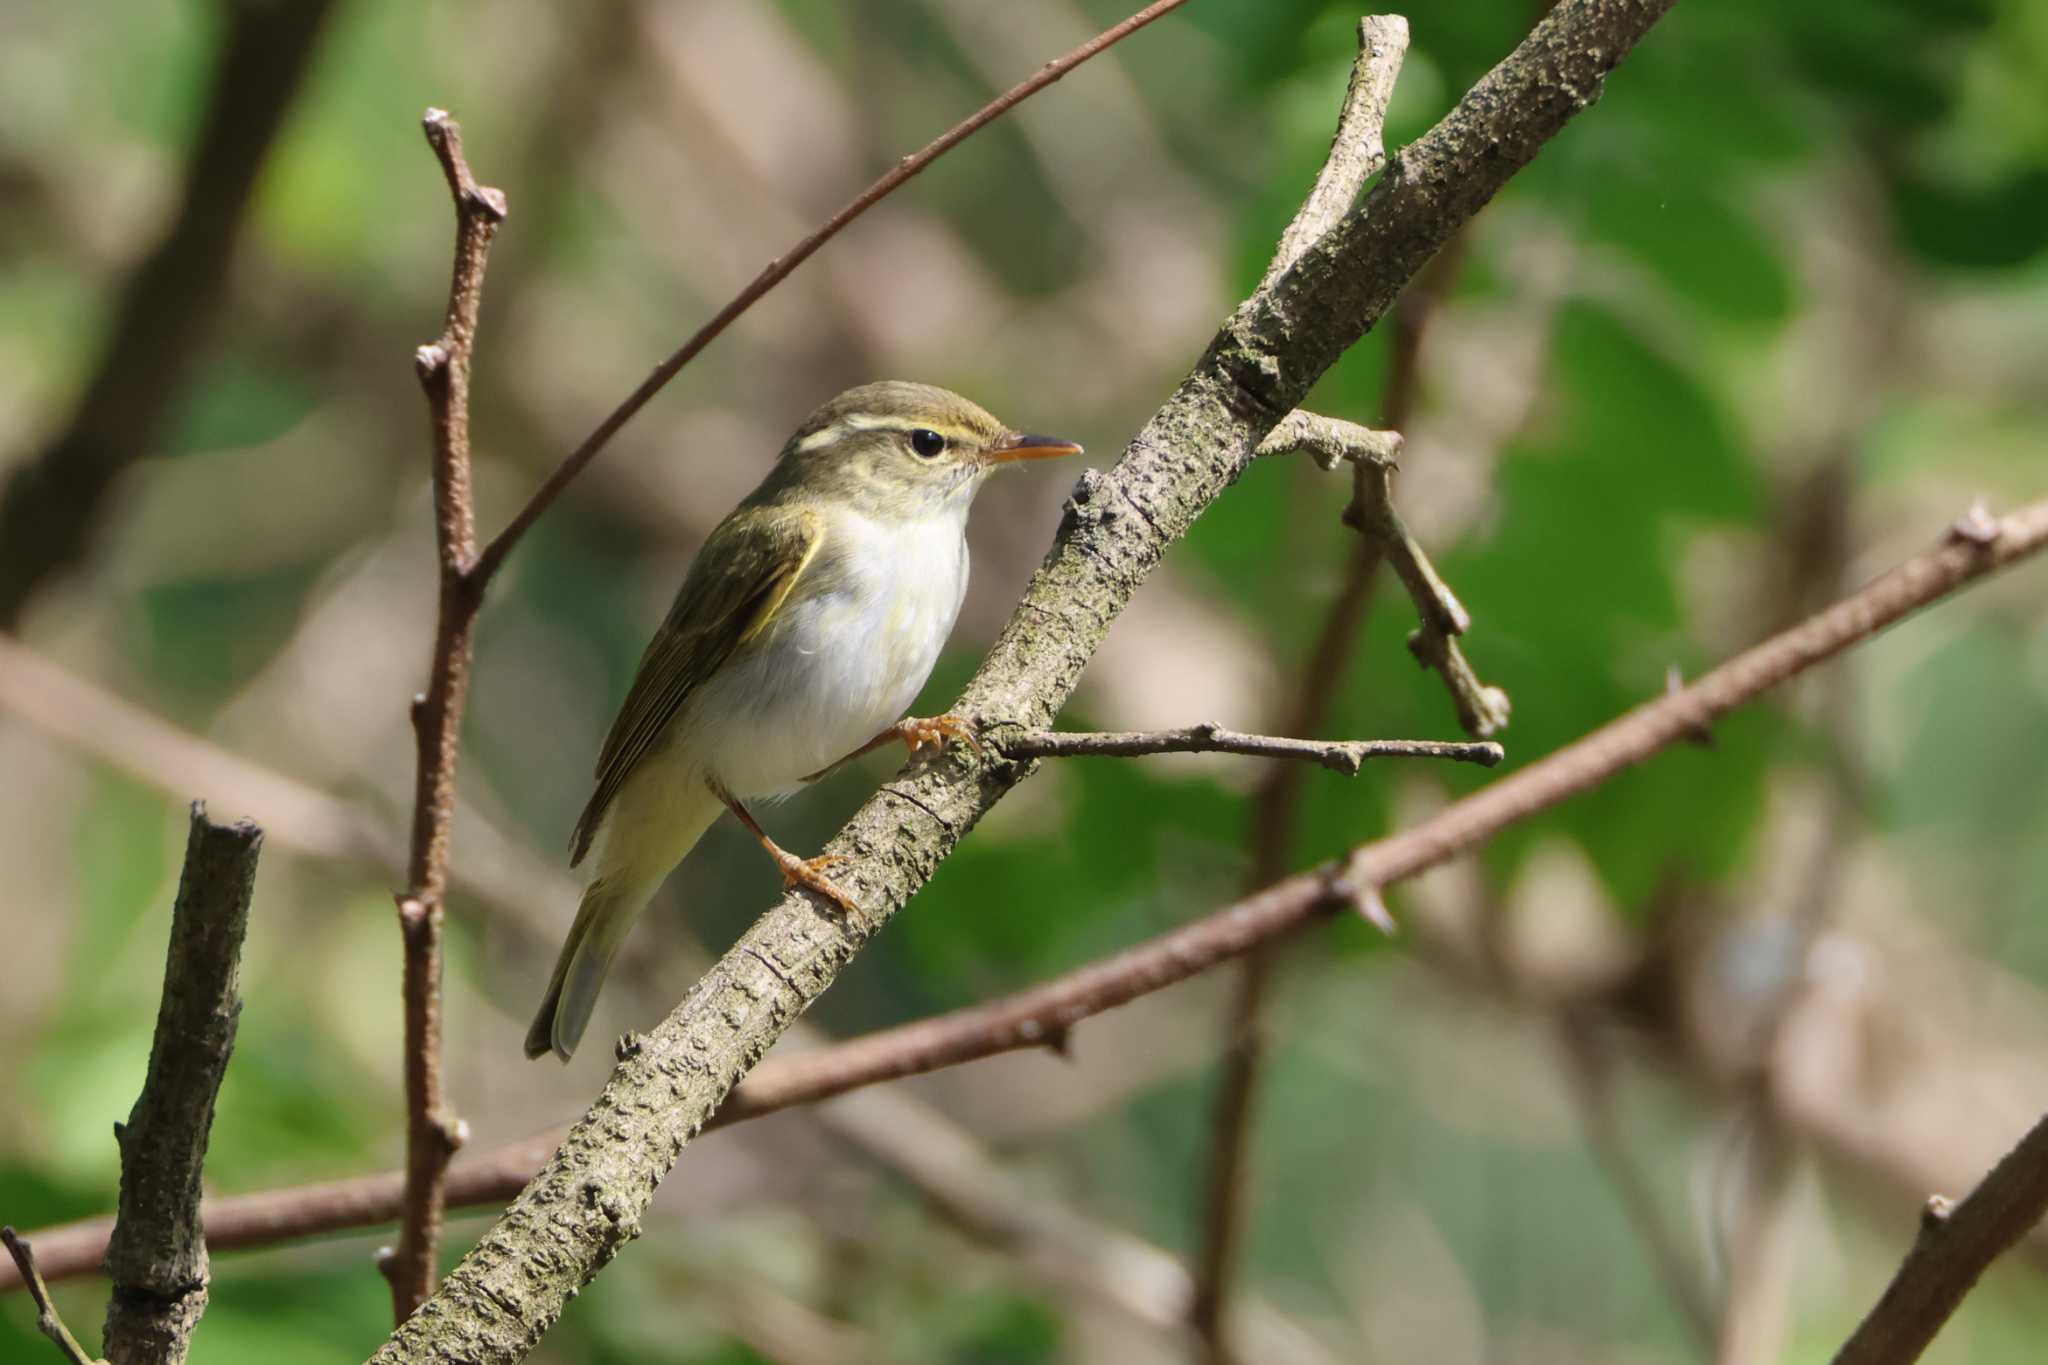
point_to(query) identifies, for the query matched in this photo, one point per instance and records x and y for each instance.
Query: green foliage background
(1788, 276)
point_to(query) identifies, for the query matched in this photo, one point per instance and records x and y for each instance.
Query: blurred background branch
(51, 504)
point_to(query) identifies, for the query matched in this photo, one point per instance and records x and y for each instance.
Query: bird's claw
(921, 731)
(809, 874)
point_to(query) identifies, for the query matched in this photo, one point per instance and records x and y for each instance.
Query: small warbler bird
(805, 627)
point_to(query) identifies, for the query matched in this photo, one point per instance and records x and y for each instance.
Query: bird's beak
(1018, 446)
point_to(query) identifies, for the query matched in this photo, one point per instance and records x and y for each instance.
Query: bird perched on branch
(805, 627)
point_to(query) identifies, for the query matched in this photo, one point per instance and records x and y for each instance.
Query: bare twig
(53, 502)
(1817, 540)
(1331, 442)
(1591, 1072)
(157, 1254)
(1955, 1245)
(47, 1320)
(1066, 1247)
(779, 269)
(1339, 756)
(297, 817)
(433, 1133)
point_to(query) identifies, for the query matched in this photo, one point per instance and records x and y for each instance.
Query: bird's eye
(927, 443)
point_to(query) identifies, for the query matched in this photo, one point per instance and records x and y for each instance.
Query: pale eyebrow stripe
(861, 421)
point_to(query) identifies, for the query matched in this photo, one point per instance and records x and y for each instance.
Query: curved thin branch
(1227, 1176)
(777, 270)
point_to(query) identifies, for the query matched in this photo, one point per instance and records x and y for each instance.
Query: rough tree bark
(587, 1202)
(157, 1257)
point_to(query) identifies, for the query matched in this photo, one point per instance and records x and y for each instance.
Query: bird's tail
(609, 908)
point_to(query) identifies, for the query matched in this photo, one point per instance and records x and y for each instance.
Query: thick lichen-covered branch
(588, 1200)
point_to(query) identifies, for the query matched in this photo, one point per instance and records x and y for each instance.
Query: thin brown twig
(1043, 1015)
(777, 270)
(48, 1321)
(1592, 1074)
(1339, 756)
(433, 1133)
(297, 816)
(1955, 1245)
(1068, 1248)
(1332, 442)
(1753, 1313)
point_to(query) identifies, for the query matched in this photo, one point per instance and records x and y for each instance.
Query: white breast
(837, 666)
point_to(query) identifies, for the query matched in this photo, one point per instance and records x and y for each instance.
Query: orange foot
(810, 875)
(918, 731)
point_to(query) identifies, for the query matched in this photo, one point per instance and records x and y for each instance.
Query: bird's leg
(805, 872)
(915, 732)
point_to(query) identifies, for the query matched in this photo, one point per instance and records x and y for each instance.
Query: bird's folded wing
(739, 580)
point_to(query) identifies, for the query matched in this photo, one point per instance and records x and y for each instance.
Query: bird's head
(902, 450)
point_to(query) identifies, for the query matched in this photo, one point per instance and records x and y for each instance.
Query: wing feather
(758, 556)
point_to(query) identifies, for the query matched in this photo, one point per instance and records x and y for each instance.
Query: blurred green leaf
(237, 403)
